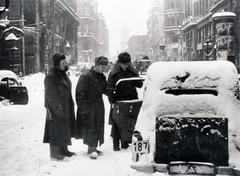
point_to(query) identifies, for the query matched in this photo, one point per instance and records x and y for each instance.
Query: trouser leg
(55, 152)
(116, 137)
(91, 149)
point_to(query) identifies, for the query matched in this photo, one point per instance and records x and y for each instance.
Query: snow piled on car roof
(7, 73)
(191, 89)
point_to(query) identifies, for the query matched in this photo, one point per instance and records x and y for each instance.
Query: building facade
(92, 32)
(191, 30)
(125, 35)
(164, 30)
(155, 26)
(200, 32)
(137, 46)
(47, 28)
(42, 28)
(173, 17)
(103, 37)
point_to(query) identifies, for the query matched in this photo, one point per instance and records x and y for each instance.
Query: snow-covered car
(11, 89)
(188, 122)
(142, 65)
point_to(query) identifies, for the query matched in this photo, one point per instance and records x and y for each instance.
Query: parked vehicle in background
(11, 89)
(142, 64)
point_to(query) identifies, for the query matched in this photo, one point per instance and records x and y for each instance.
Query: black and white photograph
(119, 87)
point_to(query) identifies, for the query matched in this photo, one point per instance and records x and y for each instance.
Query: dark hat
(124, 57)
(101, 60)
(57, 58)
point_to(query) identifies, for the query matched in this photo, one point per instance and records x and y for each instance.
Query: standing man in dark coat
(122, 68)
(60, 120)
(90, 114)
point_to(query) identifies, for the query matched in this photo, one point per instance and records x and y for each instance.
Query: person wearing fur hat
(90, 113)
(121, 69)
(60, 118)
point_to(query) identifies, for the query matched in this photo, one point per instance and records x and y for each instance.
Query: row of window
(172, 21)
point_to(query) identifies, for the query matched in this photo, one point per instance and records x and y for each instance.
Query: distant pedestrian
(60, 119)
(90, 113)
(84, 69)
(122, 68)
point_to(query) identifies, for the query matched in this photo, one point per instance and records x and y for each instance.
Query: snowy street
(170, 70)
(23, 152)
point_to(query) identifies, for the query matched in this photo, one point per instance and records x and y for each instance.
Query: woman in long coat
(90, 113)
(60, 120)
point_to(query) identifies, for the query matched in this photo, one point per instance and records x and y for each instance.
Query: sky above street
(118, 14)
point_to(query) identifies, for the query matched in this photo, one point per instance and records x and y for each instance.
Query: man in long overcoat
(60, 120)
(90, 113)
(122, 68)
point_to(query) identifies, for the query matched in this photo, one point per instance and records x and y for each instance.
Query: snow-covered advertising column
(224, 35)
(189, 119)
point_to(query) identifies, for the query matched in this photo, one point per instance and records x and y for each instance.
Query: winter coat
(125, 90)
(60, 120)
(90, 113)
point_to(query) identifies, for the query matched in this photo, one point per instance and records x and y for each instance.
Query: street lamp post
(181, 37)
(11, 38)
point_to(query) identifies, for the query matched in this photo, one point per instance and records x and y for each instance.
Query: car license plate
(139, 148)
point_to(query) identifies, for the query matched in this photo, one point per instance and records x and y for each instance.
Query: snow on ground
(23, 153)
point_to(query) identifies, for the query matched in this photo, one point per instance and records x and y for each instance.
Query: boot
(124, 145)
(55, 153)
(116, 148)
(92, 151)
(66, 152)
(93, 155)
